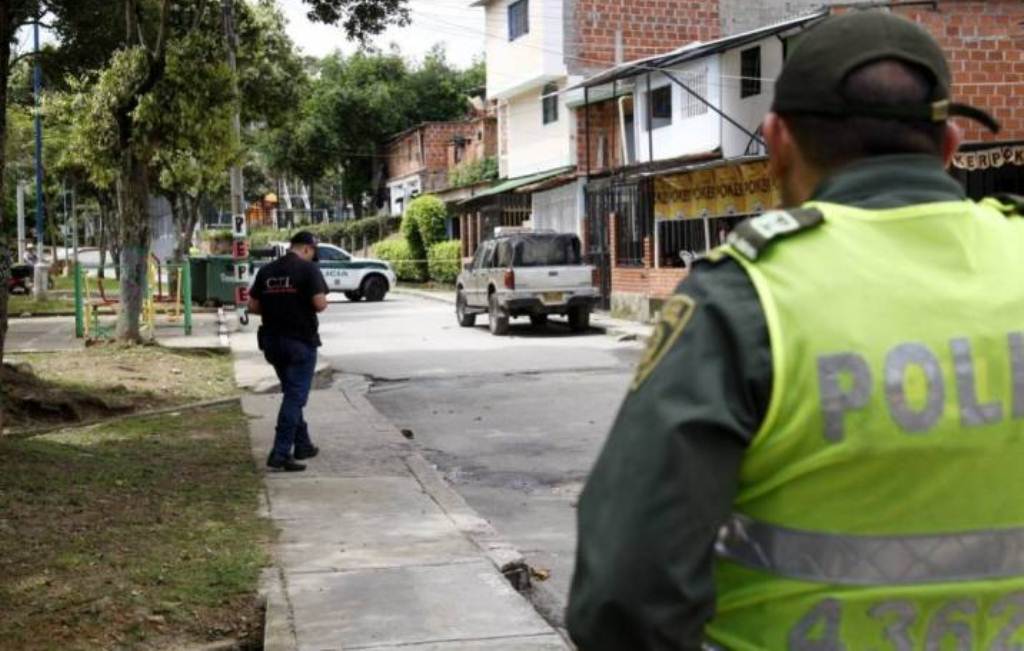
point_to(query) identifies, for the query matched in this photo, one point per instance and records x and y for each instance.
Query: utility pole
(39, 276)
(239, 227)
(21, 222)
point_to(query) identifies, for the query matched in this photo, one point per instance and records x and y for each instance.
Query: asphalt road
(514, 423)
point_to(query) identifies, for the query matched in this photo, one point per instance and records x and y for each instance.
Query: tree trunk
(7, 29)
(102, 236)
(134, 237)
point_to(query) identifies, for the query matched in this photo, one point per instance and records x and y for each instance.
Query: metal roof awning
(697, 50)
(513, 184)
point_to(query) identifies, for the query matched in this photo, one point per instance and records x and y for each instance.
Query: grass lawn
(140, 534)
(19, 304)
(109, 379)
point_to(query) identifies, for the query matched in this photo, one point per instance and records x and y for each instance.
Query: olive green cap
(813, 76)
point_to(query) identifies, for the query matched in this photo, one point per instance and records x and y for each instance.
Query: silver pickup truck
(526, 273)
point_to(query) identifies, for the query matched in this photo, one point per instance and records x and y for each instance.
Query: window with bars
(696, 80)
(550, 103)
(680, 242)
(518, 19)
(750, 70)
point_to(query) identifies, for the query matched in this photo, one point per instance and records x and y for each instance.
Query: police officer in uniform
(288, 293)
(824, 446)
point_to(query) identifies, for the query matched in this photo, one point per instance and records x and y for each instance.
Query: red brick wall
(604, 123)
(984, 41)
(645, 280)
(437, 155)
(648, 27)
(404, 155)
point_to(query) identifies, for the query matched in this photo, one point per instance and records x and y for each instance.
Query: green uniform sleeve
(666, 478)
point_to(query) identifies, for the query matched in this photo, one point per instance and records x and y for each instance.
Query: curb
(278, 631)
(509, 560)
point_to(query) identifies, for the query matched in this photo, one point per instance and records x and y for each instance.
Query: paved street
(514, 422)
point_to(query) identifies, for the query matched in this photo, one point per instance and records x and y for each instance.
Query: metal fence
(681, 241)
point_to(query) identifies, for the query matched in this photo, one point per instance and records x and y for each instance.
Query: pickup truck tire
(538, 320)
(466, 319)
(579, 319)
(355, 297)
(497, 316)
(374, 288)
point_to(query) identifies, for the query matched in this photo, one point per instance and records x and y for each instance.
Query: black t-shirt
(285, 289)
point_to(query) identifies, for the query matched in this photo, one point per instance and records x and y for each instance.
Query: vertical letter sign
(240, 253)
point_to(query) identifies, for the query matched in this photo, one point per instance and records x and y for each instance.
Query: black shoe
(287, 464)
(307, 453)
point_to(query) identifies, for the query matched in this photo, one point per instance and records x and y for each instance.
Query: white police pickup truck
(357, 278)
(521, 272)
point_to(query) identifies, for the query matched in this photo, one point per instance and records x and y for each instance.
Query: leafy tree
(360, 18)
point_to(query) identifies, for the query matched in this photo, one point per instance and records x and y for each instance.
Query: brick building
(983, 40)
(421, 159)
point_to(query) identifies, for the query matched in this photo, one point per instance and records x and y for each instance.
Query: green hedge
(398, 253)
(445, 261)
(348, 233)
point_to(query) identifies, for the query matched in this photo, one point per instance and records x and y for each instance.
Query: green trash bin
(200, 291)
(220, 285)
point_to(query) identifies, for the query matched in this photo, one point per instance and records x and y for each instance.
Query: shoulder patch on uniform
(1011, 205)
(676, 313)
(752, 236)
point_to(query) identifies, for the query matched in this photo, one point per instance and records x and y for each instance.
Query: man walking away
(287, 294)
(823, 448)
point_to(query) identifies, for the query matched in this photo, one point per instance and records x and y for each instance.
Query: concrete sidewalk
(600, 320)
(376, 551)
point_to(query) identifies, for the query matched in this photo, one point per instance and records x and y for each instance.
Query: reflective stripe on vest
(872, 560)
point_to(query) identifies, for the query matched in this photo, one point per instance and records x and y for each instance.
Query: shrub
(468, 173)
(262, 237)
(398, 253)
(217, 240)
(445, 261)
(427, 214)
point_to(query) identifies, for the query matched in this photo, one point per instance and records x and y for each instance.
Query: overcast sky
(452, 22)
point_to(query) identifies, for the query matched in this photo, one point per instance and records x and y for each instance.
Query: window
(548, 251)
(518, 19)
(550, 101)
(504, 255)
(750, 70)
(659, 107)
(330, 254)
(697, 81)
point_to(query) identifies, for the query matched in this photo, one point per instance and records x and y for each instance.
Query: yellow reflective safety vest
(881, 505)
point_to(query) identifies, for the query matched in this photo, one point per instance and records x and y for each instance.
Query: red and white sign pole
(240, 254)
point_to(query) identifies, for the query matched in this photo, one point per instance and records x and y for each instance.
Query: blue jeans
(294, 361)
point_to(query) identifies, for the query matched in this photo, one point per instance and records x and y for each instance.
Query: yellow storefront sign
(716, 192)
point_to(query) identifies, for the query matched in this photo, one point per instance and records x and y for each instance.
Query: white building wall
(402, 191)
(748, 111)
(533, 146)
(559, 209)
(532, 59)
(694, 128)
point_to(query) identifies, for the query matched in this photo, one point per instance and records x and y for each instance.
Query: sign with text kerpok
(990, 157)
(240, 254)
(738, 189)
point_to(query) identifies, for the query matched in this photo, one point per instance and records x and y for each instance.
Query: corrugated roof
(697, 50)
(518, 182)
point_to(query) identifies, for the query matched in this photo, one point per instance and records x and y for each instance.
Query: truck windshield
(547, 251)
